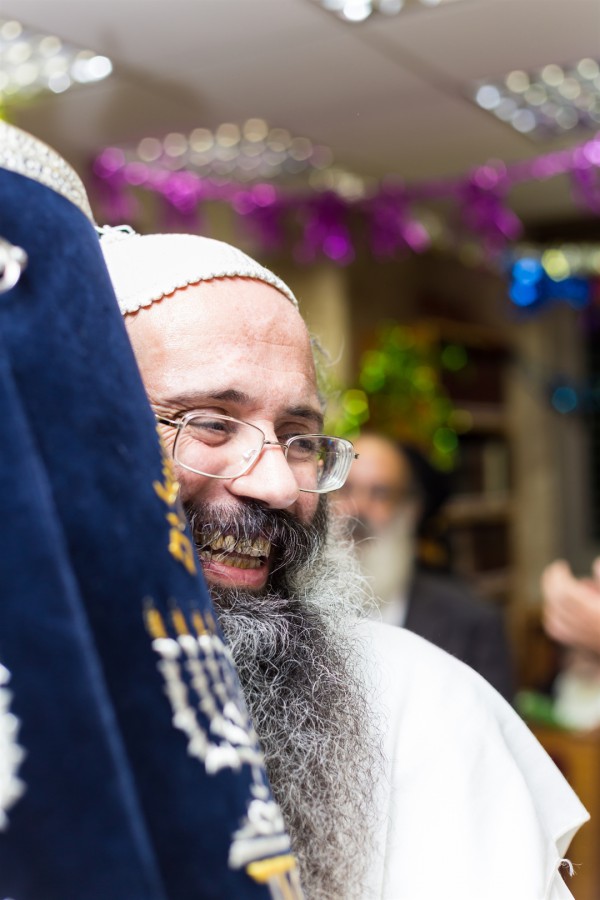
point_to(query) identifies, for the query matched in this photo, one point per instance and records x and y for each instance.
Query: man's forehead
(380, 459)
(243, 307)
(231, 335)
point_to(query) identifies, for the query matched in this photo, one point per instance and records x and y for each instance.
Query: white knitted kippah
(146, 268)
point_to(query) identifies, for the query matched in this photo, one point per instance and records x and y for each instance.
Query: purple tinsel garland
(325, 218)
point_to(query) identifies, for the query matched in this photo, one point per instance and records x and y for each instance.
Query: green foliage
(400, 392)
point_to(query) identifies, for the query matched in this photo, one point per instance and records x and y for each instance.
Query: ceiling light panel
(361, 10)
(246, 153)
(31, 63)
(548, 102)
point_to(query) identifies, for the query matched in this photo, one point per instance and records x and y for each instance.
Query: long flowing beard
(295, 655)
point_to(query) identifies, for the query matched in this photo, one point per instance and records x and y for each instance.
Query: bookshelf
(477, 520)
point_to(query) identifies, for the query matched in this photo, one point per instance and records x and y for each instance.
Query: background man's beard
(387, 556)
(293, 648)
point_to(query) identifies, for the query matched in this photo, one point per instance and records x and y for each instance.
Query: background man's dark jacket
(445, 612)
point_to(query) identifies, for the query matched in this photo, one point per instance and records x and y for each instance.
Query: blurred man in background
(389, 493)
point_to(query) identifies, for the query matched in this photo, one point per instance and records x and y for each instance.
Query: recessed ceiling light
(547, 102)
(517, 81)
(523, 120)
(552, 75)
(588, 68)
(356, 10)
(488, 96)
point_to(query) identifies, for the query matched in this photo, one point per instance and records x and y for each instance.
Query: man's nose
(270, 480)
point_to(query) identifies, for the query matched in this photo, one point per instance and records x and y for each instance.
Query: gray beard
(298, 665)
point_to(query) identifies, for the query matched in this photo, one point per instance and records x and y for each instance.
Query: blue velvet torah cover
(115, 806)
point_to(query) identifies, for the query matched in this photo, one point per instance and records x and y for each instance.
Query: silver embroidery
(11, 754)
(12, 262)
(208, 707)
(262, 833)
(22, 153)
(228, 741)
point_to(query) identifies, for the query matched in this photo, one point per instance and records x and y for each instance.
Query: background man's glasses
(221, 447)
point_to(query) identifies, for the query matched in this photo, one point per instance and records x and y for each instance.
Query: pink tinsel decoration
(481, 197)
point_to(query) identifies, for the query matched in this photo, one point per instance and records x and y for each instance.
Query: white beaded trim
(24, 154)
(265, 276)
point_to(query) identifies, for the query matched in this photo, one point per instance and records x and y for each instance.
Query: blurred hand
(572, 606)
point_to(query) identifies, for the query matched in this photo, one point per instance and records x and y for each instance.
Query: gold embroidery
(265, 869)
(168, 489)
(179, 622)
(199, 622)
(154, 623)
(280, 874)
(180, 546)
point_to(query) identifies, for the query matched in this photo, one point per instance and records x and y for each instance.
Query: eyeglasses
(221, 447)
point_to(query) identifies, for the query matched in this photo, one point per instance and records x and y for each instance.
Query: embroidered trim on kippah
(264, 275)
(146, 268)
(22, 153)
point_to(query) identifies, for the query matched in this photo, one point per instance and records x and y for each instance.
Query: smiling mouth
(239, 554)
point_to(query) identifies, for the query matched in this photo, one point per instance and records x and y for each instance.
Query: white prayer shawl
(470, 807)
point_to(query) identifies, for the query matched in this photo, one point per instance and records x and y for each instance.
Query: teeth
(236, 562)
(259, 547)
(223, 542)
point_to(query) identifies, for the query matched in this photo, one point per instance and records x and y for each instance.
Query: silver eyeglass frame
(180, 423)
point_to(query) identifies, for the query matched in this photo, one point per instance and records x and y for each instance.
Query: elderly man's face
(235, 347)
(378, 488)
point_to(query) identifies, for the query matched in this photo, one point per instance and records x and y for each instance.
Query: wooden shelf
(478, 521)
(469, 333)
(467, 509)
(486, 418)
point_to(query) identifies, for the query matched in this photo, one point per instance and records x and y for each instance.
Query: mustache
(292, 543)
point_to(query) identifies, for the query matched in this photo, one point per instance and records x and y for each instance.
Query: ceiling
(387, 96)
